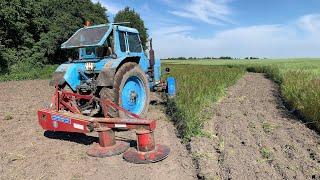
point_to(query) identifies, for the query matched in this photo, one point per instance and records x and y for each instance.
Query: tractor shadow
(155, 102)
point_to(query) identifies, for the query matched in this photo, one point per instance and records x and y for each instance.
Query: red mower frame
(64, 115)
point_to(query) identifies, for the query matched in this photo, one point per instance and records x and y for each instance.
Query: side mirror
(166, 71)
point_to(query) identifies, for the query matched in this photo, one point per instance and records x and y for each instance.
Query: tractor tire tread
(124, 73)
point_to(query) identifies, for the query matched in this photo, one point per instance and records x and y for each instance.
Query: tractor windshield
(87, 36)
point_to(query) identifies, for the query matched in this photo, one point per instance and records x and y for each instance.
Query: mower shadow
(82, 138)
(132, 143)
(72, 137)
(155, 102)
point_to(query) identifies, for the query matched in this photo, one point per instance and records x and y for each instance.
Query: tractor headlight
(90, 66)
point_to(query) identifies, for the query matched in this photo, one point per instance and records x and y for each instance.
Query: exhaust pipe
(151, 55)
(87, 23)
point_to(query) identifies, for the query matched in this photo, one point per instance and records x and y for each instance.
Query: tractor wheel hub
(133, 96)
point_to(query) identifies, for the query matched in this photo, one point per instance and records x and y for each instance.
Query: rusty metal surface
(99, 151)
(106, 137)
(145, 140)
(160, 153)
(151, 55)
(106, 76)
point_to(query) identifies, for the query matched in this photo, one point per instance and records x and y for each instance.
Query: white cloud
(171, 29)
(212, 12)
(310, 23)
(276, 41)
(111, 7)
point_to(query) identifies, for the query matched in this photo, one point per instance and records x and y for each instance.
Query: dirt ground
(27, 152)
(253, 136)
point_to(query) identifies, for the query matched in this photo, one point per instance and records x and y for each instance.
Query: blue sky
(238, 28)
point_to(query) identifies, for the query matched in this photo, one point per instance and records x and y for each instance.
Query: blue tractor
(111, 64)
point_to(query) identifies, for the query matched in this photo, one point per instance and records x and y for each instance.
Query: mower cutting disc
(99, 151)
(159, 153)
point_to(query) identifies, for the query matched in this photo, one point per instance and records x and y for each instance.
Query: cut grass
(8, 116)
(268, 127)
(266, 154)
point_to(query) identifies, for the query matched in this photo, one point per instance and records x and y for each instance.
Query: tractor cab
(103, 41)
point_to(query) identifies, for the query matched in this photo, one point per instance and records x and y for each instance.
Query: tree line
(31, 31)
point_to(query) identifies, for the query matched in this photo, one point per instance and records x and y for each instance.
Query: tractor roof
(91, 36)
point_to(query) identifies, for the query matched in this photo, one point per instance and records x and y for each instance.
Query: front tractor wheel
(130, 91)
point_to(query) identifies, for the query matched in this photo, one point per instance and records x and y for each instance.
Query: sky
(237, 28)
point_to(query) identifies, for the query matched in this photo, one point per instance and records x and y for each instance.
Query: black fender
(57, 78)
(106, 76)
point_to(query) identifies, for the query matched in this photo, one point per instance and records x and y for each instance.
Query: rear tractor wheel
(130, 91)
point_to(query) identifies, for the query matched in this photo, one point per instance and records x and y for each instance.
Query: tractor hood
(88, 37)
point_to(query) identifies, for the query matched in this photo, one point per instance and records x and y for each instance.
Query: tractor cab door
(129, 45)
(128, 41)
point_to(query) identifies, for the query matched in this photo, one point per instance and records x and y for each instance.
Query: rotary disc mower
(106, 88)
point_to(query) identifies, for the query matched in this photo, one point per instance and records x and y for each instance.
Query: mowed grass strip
(299, 81)
(198, 87)
(300, 89)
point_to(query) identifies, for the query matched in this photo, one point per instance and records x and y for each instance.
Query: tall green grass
(299, 81)
(198, 86)
(33, 73)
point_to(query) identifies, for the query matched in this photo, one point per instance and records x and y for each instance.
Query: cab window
(122, 39)
(134, 42)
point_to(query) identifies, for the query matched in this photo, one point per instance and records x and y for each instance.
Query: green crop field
(202, 82)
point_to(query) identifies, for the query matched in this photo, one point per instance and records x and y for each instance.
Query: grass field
(202, 82)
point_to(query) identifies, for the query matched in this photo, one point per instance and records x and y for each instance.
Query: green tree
(31, 31)
(129, 15)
